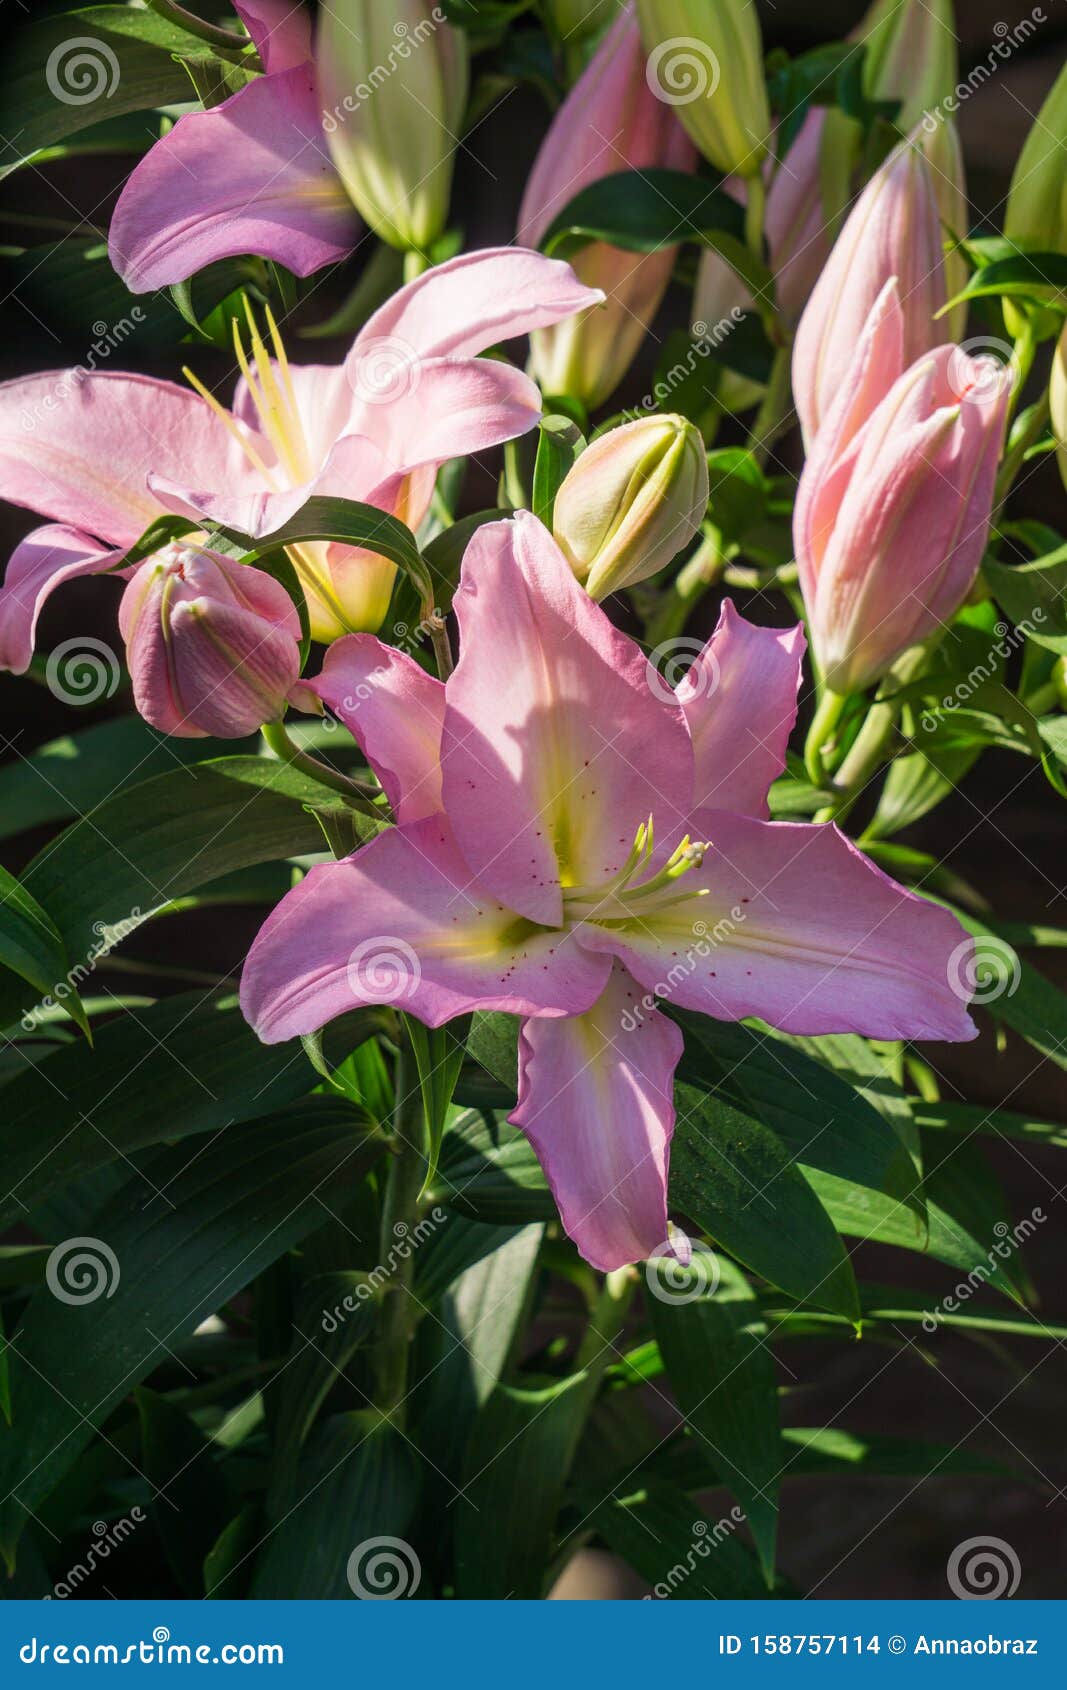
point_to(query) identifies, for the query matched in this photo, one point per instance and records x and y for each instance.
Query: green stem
(1044, 700)
(442, 645)
(1016, 454)
(358, 796)
(415, 264)
(400, 1217)
(824, 723)
(875, 738)
(606, 1322)
(755, 207)
(693, 580)
(776, 409)
(210, 32)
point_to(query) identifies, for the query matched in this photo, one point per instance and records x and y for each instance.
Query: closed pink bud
(610, 122)
(212, 644)
(894, 504)
(894, 229)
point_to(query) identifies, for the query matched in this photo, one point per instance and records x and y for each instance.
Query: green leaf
(228, 1565)
(1032, 594)
(67, 776)
(164, 1265)
(675, 1546)
(520, 1451)
(112, 58)
(30, 946)
(819, 1450)
(345, 522)
(463, 1351)
(737, 1182)
(739, 492)
(188, 1065)
(645, 211)
(714, 1349)
(140, 850)
(188, 1487)
(328, 1532)
(1015, 993)
(889, 1305)
(968, 1118)
(1040, 276)
(825, 1123)
(559, 441)
(488, 1172)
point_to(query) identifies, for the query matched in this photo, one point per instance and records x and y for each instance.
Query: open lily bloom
(575, 842)
(252, 174)
(102, 455)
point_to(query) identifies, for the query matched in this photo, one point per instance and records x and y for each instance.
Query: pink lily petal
(472, 302)
(877, 362)
(251, 175)
(324, 405)
(555, 748)
(740, 700)
(80, 450)
(799, 928)
(596, 1101)
(446, 408)
(394, 710)
(403, 922)
(281, 30)
(39, 564)
(355, 469)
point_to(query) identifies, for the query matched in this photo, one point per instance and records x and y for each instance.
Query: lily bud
(393, 85)
(911, 56)
(1057, 394)
(945, 156)
(633, 500)
(1036, 216)
(609, 122)
(894, 503)
(706, 60)
(894, 229)
(212, 644)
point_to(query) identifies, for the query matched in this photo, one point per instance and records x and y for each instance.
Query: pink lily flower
(104, 454)
(894, 504)
(574, 843)
(253, 174)
(610, 121)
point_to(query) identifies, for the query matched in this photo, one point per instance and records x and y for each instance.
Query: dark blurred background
(1004, 833)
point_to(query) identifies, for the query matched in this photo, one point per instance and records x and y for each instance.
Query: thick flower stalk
(576, 844)
(610, 122)
(393, 85)
(102, 455)
(213, 645)
(894, 229)
(894, 504)
(707, 62)
(633, 501)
